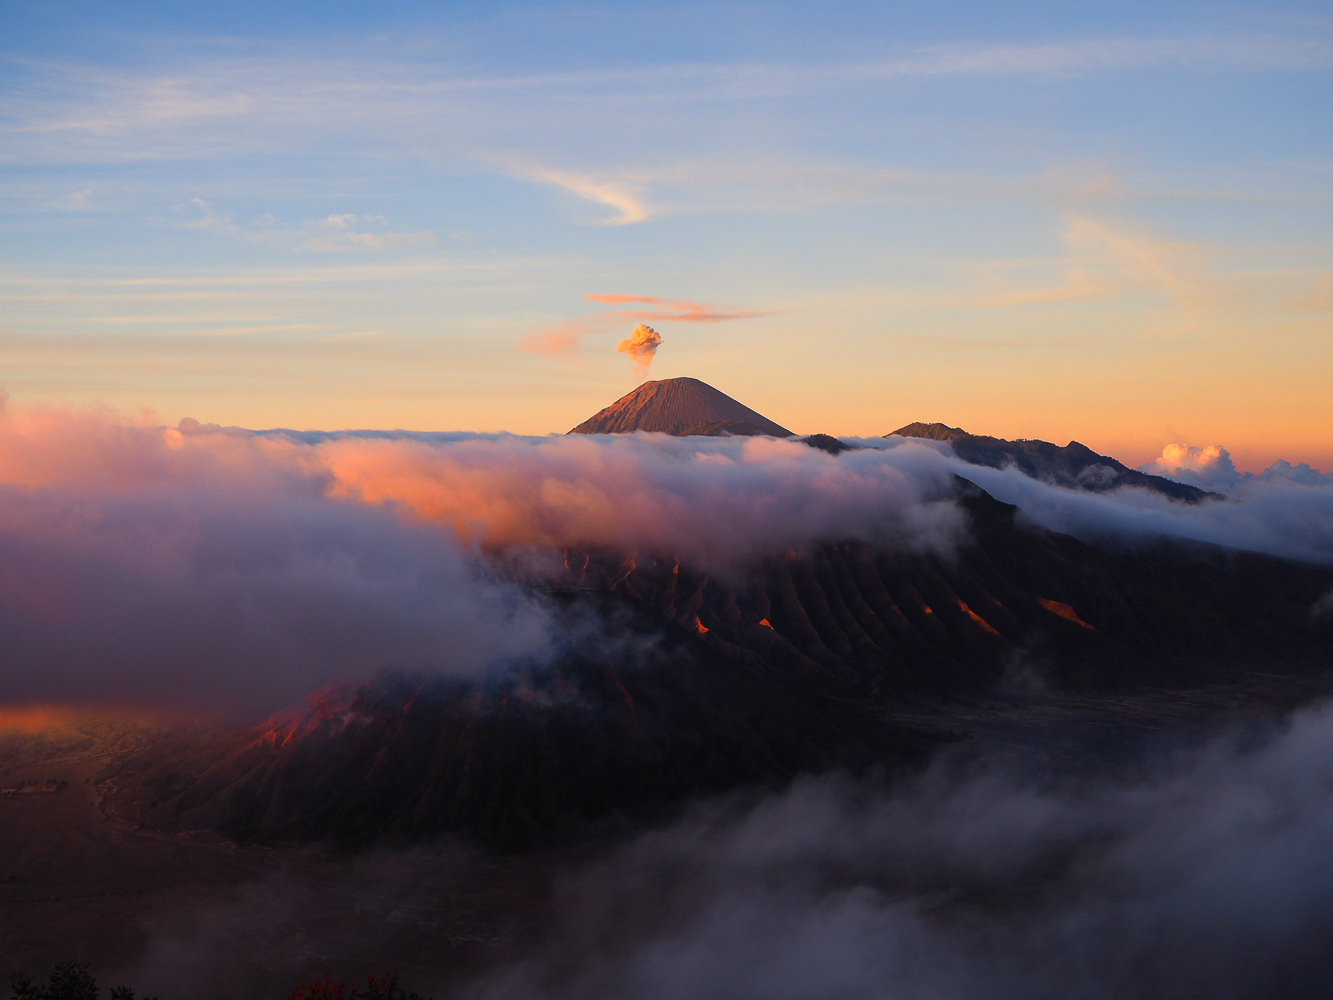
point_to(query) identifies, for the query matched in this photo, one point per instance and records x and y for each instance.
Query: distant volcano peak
(679, 406)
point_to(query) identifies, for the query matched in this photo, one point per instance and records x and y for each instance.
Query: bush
(72, 981)
(68, 981)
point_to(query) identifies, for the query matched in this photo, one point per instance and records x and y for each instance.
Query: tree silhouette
(68, 981)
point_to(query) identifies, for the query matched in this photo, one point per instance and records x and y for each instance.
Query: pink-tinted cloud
(563, 339)
(204, 566)
(145, 565)
(673, 310)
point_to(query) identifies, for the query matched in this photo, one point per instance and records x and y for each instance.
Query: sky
(1103, 222)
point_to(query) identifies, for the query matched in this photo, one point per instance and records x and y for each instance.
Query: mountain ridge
(1074, 465)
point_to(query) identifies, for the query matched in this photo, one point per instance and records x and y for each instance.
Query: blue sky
(1105, 222)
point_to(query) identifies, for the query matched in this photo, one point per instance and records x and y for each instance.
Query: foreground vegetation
(73, 981)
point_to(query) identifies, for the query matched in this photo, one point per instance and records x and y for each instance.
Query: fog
(1203, 875)
(1275, 516)
(139, 572)
(1199, 871)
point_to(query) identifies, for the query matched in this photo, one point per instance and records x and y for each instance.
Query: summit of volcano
(682, 407)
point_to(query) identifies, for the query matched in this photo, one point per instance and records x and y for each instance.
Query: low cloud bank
(200, 562)
(1275, 516)
(220, 567)
(710, 501)
(137, 569)
(1208, 878)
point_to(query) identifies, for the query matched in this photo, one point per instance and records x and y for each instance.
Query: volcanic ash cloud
(640, 346)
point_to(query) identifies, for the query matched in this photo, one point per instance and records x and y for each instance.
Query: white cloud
(1211, 468)
(210, 220)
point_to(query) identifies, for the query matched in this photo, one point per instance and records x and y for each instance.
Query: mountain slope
(635, 715)
(669, 683)
(1075, 465)
(679, 406)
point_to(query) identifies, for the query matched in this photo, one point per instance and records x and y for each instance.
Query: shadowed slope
(634, 716)
(679, 406)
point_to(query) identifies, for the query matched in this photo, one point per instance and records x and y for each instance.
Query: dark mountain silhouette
(672, 683)
(935, 432)
(679, 406)
(828, 443)
(1074, 465)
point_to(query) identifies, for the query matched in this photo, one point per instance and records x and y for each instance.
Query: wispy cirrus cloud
(624, 197)
(275, 103)
(352, 232)
(1091, 55)
(565, 337)
(1185, 285)
(265, 95)
(334, 233)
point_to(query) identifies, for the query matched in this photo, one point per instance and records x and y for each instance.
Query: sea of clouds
(222, 566)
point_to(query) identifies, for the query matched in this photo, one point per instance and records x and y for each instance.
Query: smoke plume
(640, 346)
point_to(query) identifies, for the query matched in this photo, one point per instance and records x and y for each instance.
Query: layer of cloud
(1274, 516)
(136, 568)
(709, 501)
(712, 500)
(223, 567)
(165, 564)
